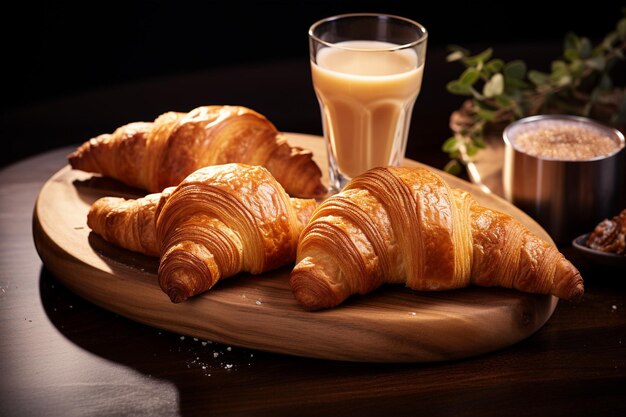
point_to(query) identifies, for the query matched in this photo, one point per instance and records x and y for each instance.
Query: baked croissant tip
(576, 295)
(312, 293)
(176, 296)
(73, 158)
(307, 301)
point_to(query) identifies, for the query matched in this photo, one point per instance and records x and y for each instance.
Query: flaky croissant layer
(403, 225)
(153, 156)
(220, 221)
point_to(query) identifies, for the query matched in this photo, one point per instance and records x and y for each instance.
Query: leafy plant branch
(500, 92)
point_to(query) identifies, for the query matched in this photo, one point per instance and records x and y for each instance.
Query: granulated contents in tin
(564, 141)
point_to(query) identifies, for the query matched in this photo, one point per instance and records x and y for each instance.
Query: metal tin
(566, 197)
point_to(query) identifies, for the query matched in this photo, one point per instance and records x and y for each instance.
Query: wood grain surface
(392, 325)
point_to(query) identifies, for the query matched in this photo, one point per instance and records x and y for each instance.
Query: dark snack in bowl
(610, 235)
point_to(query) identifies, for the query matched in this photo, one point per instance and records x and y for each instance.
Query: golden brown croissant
(130, 224)
(153, 156)
(220, 220)
(402, 225)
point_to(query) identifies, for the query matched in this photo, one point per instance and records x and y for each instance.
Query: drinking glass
(367, 72)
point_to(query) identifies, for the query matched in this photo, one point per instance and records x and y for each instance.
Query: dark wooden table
(62, 356)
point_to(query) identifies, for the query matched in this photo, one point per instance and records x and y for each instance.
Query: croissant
(130, 224)
(153, 156)
(401, 225)
(219, 221)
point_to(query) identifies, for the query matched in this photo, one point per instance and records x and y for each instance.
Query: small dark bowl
(598, 257)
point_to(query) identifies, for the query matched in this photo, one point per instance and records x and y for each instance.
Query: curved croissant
(153, 156)
(401, 225)
(221, 220)
(130, 224)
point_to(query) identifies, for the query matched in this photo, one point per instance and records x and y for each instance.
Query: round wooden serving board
(393, 324)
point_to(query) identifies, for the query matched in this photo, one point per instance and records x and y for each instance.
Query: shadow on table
(210, 377)
(217, 379)
(227, 380)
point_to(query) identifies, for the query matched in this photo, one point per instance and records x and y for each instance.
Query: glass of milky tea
(566, 172)
(367, 72)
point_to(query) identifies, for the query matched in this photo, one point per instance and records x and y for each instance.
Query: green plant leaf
(471, 149)
(576, 68)
(480, 58)
(457, 48)
(584, 48)
(598, 50)
(453, 167)
(563, 80)
(455, 56)
(450, 145)
(487, 115)
(515, 69)
(480, 142)
(456, 87)
(494, 65)
(538, 78)
(504, 101)
(575, 84)
(494, 87)
(514, 84)
(559, 69)
(469, 76)
(571, 54)
(484, 105)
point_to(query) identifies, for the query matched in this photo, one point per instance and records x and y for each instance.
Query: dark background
(74, 70)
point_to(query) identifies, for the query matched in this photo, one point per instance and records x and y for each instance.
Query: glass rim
(420, 29)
